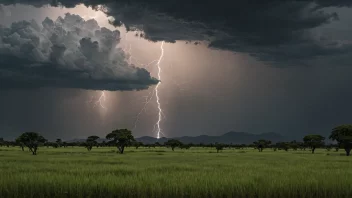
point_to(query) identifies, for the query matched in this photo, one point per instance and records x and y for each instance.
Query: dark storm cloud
(68, 53)
(271, 30)
(336, 3)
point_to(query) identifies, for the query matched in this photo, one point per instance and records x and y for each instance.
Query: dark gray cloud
(273, 31)
(277, 32)
(68, 53)
(225, 91)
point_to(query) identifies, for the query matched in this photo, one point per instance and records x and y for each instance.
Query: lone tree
(185, 146)
(282, 145)
(31, 140)
(173, 144)
(219, 147)
(314, 141)
(138, 144)
(294, 145)
(121, 138)
(59, 142)
(91, 141)
(261, 144)
(343, 135)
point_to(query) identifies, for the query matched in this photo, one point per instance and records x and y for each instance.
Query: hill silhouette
(227, 138)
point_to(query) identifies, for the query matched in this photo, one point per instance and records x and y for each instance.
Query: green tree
(138, 144)
(2, 142)
(302, 146)
(294, 145)
(219, 147)
(157, 144)
(20, 143)
(337, 147)
(283, 145)
(261, 144)
(91, 141)
(31, 140)
(185, 146)
(121, 138)
(328, 147)
(173, 143)
(343, 135)
(314, 141)
(58, 142)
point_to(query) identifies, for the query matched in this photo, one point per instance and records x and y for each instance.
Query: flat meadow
(160, 172)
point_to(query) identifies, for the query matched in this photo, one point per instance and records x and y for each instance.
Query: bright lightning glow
(101, 99)
(157, 92)
(147, 100)
(132, 59)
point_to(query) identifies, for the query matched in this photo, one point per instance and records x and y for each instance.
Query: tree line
(122, 138)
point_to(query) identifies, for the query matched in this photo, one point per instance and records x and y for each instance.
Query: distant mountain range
(227, 138)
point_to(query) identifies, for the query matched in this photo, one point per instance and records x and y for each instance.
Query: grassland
(197, 172)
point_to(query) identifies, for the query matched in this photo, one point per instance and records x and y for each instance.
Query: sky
(71, 70)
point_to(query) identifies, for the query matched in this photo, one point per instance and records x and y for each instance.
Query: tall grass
(143, 172)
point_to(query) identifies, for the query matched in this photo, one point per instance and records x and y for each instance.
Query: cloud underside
(274, 31)
(66, 53)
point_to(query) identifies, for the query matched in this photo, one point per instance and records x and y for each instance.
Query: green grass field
(197, 172)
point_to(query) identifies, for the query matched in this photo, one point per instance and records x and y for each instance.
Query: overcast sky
(258, 68)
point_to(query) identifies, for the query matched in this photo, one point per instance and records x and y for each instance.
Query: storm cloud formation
(275, 31)
(204, 91)
(67, 53)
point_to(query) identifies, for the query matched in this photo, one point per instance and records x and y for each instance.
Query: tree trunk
(34, 150)
(313, 149)
(348, 150)
(121, 149)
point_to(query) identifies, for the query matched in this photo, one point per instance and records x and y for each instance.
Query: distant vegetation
(121, 138)
(174, 169)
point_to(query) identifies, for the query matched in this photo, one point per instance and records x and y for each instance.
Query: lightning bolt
(147, 101)
(158, 129)
(148, 98)
(101, 99)
(132, 59)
